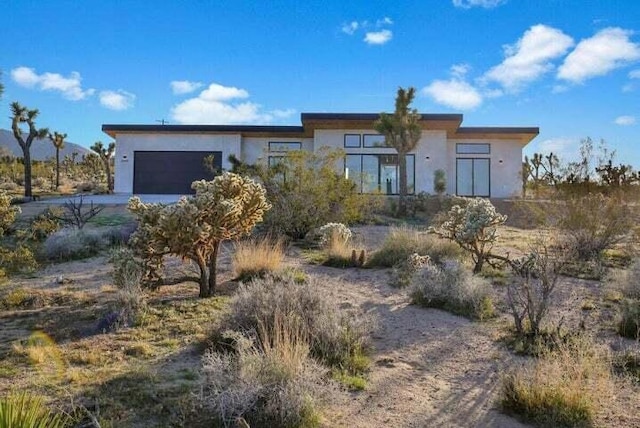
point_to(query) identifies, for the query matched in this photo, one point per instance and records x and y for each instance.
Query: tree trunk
(204, 279)
(213, 262)
(402, 179)
(57, 168)
(27, 173)
(478, 267)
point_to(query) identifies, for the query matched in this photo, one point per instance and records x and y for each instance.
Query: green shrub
(336, 336)
(439, 181)
(42, 225)
(629, 323)
(8, 212)
(452, 287)
(402, 242)
(72, 244)
(17, 260)
(27, 411)
(127, 269)
(563, 388)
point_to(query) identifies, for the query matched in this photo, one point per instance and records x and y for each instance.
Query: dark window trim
(364, 139)
(298, 143)
(353, 135)
(488, 152)
(473, 195)
(362, 155)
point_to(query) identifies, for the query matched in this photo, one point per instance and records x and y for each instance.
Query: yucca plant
(28, 411)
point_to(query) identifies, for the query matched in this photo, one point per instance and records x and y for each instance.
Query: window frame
(364, 141)
(287, 143)
(473, 166)
(360, 182)
(471, 151)
(352, 135)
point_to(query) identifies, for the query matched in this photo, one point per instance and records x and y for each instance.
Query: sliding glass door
(472, 177)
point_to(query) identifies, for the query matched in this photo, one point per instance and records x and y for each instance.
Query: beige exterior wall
(188, 142)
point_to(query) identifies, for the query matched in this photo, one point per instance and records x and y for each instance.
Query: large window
(374, 140)
(472, 148)
(352, 140)
(472, 177)
(378, 173)
(284, 146)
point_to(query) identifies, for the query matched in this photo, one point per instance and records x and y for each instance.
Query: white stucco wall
(126, 144)
(504, 176)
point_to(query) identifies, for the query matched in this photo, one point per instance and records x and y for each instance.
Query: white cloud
(487, 4)
(530, 57)
(607, 50)
(378, 37)
(117, 100)
(70, 87)
(350, 28)
(566, 148)
(384, 21)
(180, 87)
(218, 105)
(558, 89)
(625, 120)
(460, 70)
(634, 74)
(454, 93)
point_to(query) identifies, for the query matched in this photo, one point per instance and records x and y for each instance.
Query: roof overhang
(524, 135)
(244, 130)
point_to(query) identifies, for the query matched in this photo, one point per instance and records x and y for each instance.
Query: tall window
(473, 177)
(378, 173)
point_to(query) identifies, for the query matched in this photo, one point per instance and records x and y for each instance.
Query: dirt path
(430, 368)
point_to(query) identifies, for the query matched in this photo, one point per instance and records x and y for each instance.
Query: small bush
(629, 323)
(72, 244)
(335, 336)
(27, 411)
(334, 234)
(628, 281)
(257, 257)
(268, 380)
(400, 243)
(452, 288)
(8, 212)
(42, 225)
(119, 234)
(130, 304)
(564, 388)
(127, 269)
(17, 260)
(403, 272)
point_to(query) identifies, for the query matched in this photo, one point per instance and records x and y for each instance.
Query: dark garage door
(170, 173)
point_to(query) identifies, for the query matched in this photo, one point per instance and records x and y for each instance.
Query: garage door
(170, 173)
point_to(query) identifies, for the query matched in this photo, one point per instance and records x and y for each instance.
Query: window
(374, 140)
(275, 160)
(476, 149)
(284, 146)
(352, 140)
(378, 173)
(472, 177)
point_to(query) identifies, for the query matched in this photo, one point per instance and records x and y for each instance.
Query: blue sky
(571, 67)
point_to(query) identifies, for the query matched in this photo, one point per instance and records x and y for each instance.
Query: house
(478, 161)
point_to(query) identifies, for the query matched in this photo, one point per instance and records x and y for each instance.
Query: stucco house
(478, 161)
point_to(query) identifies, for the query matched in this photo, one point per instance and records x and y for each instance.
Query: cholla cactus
(334, 233)
(8, 212)
(228, 207)
(473, 228)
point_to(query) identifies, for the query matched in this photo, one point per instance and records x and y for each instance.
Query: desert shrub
(531, 293)
(593, 223)
(42, 225)
(628, 280)
(403, 272)
(334, 234)
(119, 235)
(268, 380)
(629, 323)
(8, 186)
(228, 207)
(127, 268)
(307, 191)
(17, 260)
(257, 257)
(563, 388)
(28, 411)
(400, 243)
(452, 287)
(72, 244)
(8, 212)
(439, 181)
(130, 304)
(473, 226)
(336, 337)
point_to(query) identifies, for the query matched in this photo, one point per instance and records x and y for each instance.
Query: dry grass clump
(72, 244)
(335, 336)
(452, 287)
(628, 280)
(629, 320)
(563, 388)
(257, 257)
(268, 379)
(401, 242)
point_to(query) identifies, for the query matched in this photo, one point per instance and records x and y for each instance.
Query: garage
(170, 173)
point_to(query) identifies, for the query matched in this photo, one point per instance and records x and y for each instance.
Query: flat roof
(312, 121)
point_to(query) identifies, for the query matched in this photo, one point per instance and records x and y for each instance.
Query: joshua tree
(105, 156)
(58, 142)
(23, 115)
(401, 131)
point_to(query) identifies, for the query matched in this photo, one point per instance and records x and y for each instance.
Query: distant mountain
(40, 149)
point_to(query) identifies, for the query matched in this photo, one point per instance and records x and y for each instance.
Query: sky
(569, 67)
